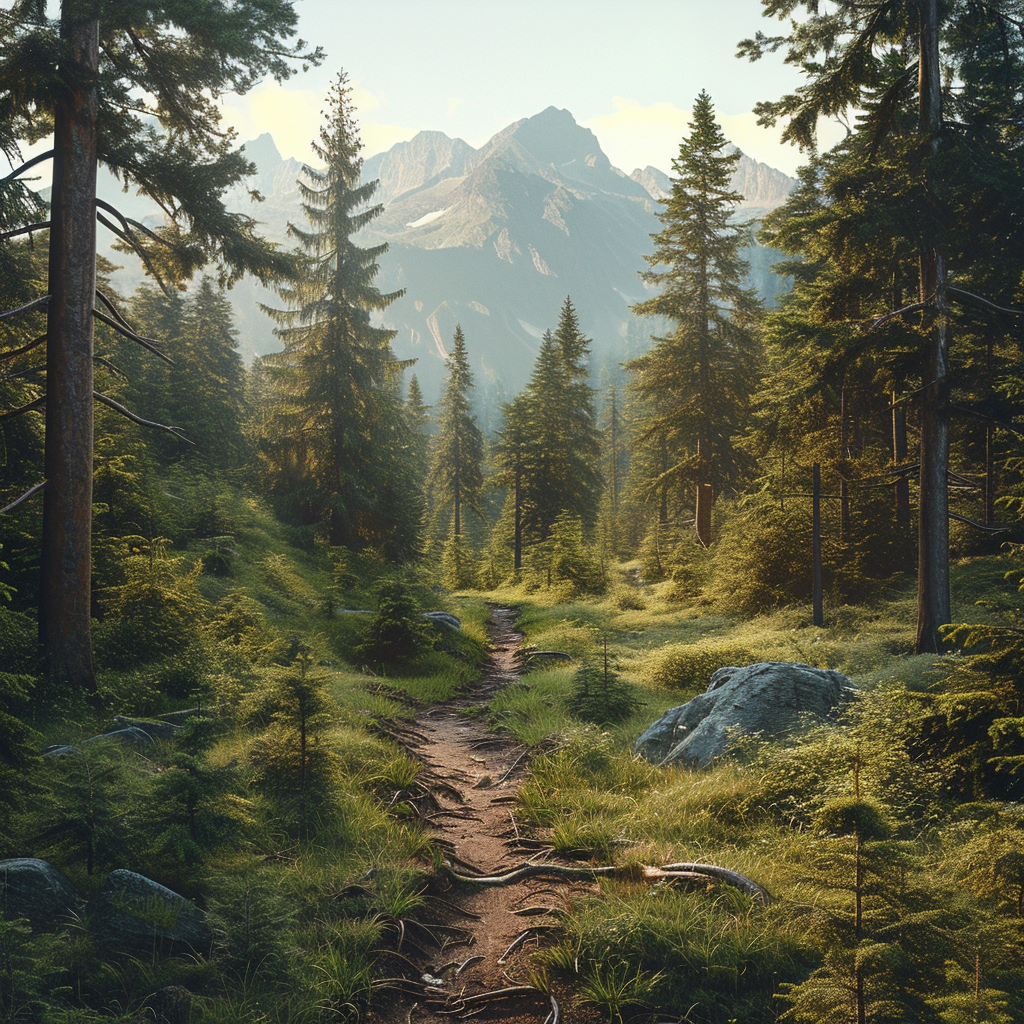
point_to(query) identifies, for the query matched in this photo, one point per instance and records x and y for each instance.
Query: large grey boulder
(768, 698)
(443, 619)
(36, 891)
(134, 914)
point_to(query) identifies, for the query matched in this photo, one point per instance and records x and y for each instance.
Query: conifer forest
(325, 697)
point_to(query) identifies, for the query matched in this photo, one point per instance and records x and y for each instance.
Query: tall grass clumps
(700, 958)
(688, 667)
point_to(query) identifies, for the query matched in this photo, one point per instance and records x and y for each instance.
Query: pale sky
(628, 71)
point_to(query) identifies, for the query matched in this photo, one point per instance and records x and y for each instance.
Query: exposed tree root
(439, 1000)
(684, 872)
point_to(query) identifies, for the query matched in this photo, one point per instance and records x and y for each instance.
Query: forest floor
(472, 775)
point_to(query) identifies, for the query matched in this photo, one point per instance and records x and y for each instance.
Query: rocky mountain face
(494, 238)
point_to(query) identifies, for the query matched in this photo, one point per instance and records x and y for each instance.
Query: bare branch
(105, 299)
(17, 501)
(24, 348)
(27, 230)
(27, 308)
(130, 222)
(917, 307)
(978, 526)
(25, 166)
(970, 297)
(128, 414)
(11, 413)
(988, 419)
(147, 343)
(128, 239)
(27, 372)
(1002, 15)
(103, 361)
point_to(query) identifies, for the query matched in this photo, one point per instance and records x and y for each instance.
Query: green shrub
(459, 568)
(397, 632)
(601, 696)
(155, 613)
(762, 559)
(563, 561)
(279, 573)
(688, 667)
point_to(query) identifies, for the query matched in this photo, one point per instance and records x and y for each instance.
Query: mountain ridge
(493, 238)
(496, 240)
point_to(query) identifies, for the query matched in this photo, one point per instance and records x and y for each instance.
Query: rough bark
(65, 617)
(933, 603)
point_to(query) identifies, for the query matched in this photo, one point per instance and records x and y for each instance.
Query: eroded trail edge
(473, 775)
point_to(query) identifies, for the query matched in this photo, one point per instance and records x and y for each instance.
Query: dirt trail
(473, 775)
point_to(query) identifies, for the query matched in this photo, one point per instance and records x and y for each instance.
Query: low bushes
(688, 667)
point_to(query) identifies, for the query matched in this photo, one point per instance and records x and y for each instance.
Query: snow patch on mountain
(428, 218)
(539, 265)
(534, 332)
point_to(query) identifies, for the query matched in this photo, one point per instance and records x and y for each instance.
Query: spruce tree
(418, 413)
(550, 461)
(456, 476)
(512, 454)
(548, 451)
(336, 438)
(696, 382)
(206, 388)
(581, 484)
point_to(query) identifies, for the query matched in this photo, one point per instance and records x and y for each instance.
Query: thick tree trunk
(65, 617)
(933, 603)
(705, 499)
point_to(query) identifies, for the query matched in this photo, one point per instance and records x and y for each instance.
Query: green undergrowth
(282, 808)
(867, 810)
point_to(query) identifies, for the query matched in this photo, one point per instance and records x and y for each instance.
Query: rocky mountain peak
(427, 158)
(263, 152)
(553, 137)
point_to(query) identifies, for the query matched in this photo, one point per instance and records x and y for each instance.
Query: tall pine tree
(882, 57)
(336, 437)
(696, 382)
(456, 476)
(132, 86)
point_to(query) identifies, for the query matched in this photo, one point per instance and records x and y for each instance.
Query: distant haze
(493, 238)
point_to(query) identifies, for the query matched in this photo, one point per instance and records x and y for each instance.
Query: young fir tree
(336, 438)
(581, 484)
(696, 382)
(206, 385)
(551, 436)
(456, 476)
(418, 413)
(132, 86)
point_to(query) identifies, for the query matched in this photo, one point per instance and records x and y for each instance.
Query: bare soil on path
(473, 775)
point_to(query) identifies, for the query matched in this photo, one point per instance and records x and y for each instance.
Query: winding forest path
(472, 776)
